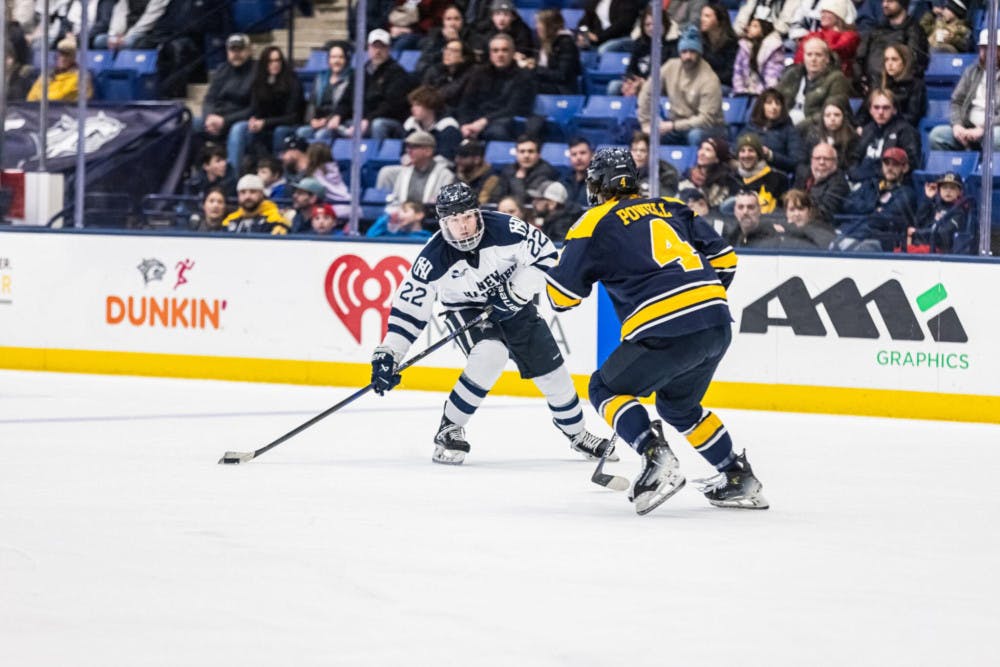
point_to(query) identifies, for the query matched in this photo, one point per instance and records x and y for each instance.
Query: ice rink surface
(122, 542)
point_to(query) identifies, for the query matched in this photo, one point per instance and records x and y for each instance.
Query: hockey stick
(245, 457)
(613, 482)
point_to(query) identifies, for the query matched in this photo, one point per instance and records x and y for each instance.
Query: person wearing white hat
(555, 215)
(967, 112)
(256, 215)
(836, 18)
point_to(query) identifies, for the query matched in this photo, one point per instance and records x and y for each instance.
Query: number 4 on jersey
(668, 246)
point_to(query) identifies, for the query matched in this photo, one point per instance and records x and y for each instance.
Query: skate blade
(448, 457)
(756, 502)
(649, 501)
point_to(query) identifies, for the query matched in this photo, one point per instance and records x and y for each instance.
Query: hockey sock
(564, 404)
(710, 438)
(623, 413)
(463, 400)
(483, 368)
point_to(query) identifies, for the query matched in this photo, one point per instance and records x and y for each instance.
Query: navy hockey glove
(505, 301)
(384, 375)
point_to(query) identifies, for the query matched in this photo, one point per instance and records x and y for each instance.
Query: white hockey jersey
(511, 250)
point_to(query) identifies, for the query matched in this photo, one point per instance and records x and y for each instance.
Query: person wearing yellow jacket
(256, 215)
(64, 82)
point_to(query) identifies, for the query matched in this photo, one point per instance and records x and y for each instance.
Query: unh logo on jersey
(353, 287)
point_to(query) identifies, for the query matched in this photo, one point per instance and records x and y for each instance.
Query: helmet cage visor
(463, 230)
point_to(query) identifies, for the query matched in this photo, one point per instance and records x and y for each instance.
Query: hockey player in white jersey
(481, 258)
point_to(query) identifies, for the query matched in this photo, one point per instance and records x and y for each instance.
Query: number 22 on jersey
(668, 246)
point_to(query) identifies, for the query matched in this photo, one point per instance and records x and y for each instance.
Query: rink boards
(893, 337)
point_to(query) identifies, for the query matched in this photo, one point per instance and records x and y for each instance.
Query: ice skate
(450, 445)
(738, 487)
(660, 477)
(593, 447)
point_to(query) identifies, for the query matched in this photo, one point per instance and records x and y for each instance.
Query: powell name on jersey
(665, 270)
(511, 251)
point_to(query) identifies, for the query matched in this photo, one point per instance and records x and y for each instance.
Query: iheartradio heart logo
(352, 288)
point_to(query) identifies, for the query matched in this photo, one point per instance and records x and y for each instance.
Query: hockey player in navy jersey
(666, 272)
(481, 258)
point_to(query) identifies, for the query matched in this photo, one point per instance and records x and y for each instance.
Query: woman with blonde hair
(909, 91)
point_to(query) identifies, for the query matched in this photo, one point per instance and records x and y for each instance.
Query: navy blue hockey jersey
(665, 270)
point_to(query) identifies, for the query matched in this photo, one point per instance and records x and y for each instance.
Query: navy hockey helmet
(458, 214)
(612, 173)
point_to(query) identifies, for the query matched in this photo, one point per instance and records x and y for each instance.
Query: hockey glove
(384, 375)
(505, 301)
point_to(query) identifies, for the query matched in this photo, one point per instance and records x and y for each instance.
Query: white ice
(122, 542)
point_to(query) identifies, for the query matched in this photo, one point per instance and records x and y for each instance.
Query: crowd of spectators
(835, 95)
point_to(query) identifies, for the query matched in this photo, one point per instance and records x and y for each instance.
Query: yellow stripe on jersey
(614, 406)
(671, 305)
(705, 431)
(726, 260)
(584, 227)
(560, 299)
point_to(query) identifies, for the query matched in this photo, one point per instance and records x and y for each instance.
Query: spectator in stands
(967, 111)
(227, 100)
(769, 120)
(782, 13)
(637, 70)
(824, 181)
(695, 96)
(909, 91)
(760, 59)
(719, 40)
(495, 93)
(510, 206)
(607, 24)
(808, 87)
(834, 127)
(400, 221)
(320, 165)
(898, 27)
(753, 230)
(140, 18)
(255, 215)
(554, 213)
(64, 80)
(411, 20)
(328, 90)
(272, 173)
(212, 213)
(452, 29)
(888, 205)
(580, 154)
(215, 172)
(306, 194)
(20, 75)
(804, 20)
(947, 27)
(805, 227)
(669, 178)
(943, 212)
(386, 85)
(724, 225)
(423, 177)
(836, 30)
(528, 172)
(276, 105)
(427, 115)
(448, 76)
(472, 169)
(504, 20)
(886, 129)
(557, 66)
(868, 14)
(712, 173)
(756, 174)
(324, 222)
(685, 12)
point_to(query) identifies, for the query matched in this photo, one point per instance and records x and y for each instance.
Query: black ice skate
(660, 477)
(593, 447)
(450, 445)
(738, 487)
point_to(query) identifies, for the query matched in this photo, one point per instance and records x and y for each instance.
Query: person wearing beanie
(64, 80)
(256, 215)
(712, 172)
(947, 27)
(836, 29)
(756, 174)
(967, 113)
(695, 95)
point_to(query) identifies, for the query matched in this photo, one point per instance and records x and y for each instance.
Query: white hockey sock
(485, 364)
(562, 399)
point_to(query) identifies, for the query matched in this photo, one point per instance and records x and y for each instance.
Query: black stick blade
(613, 482)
